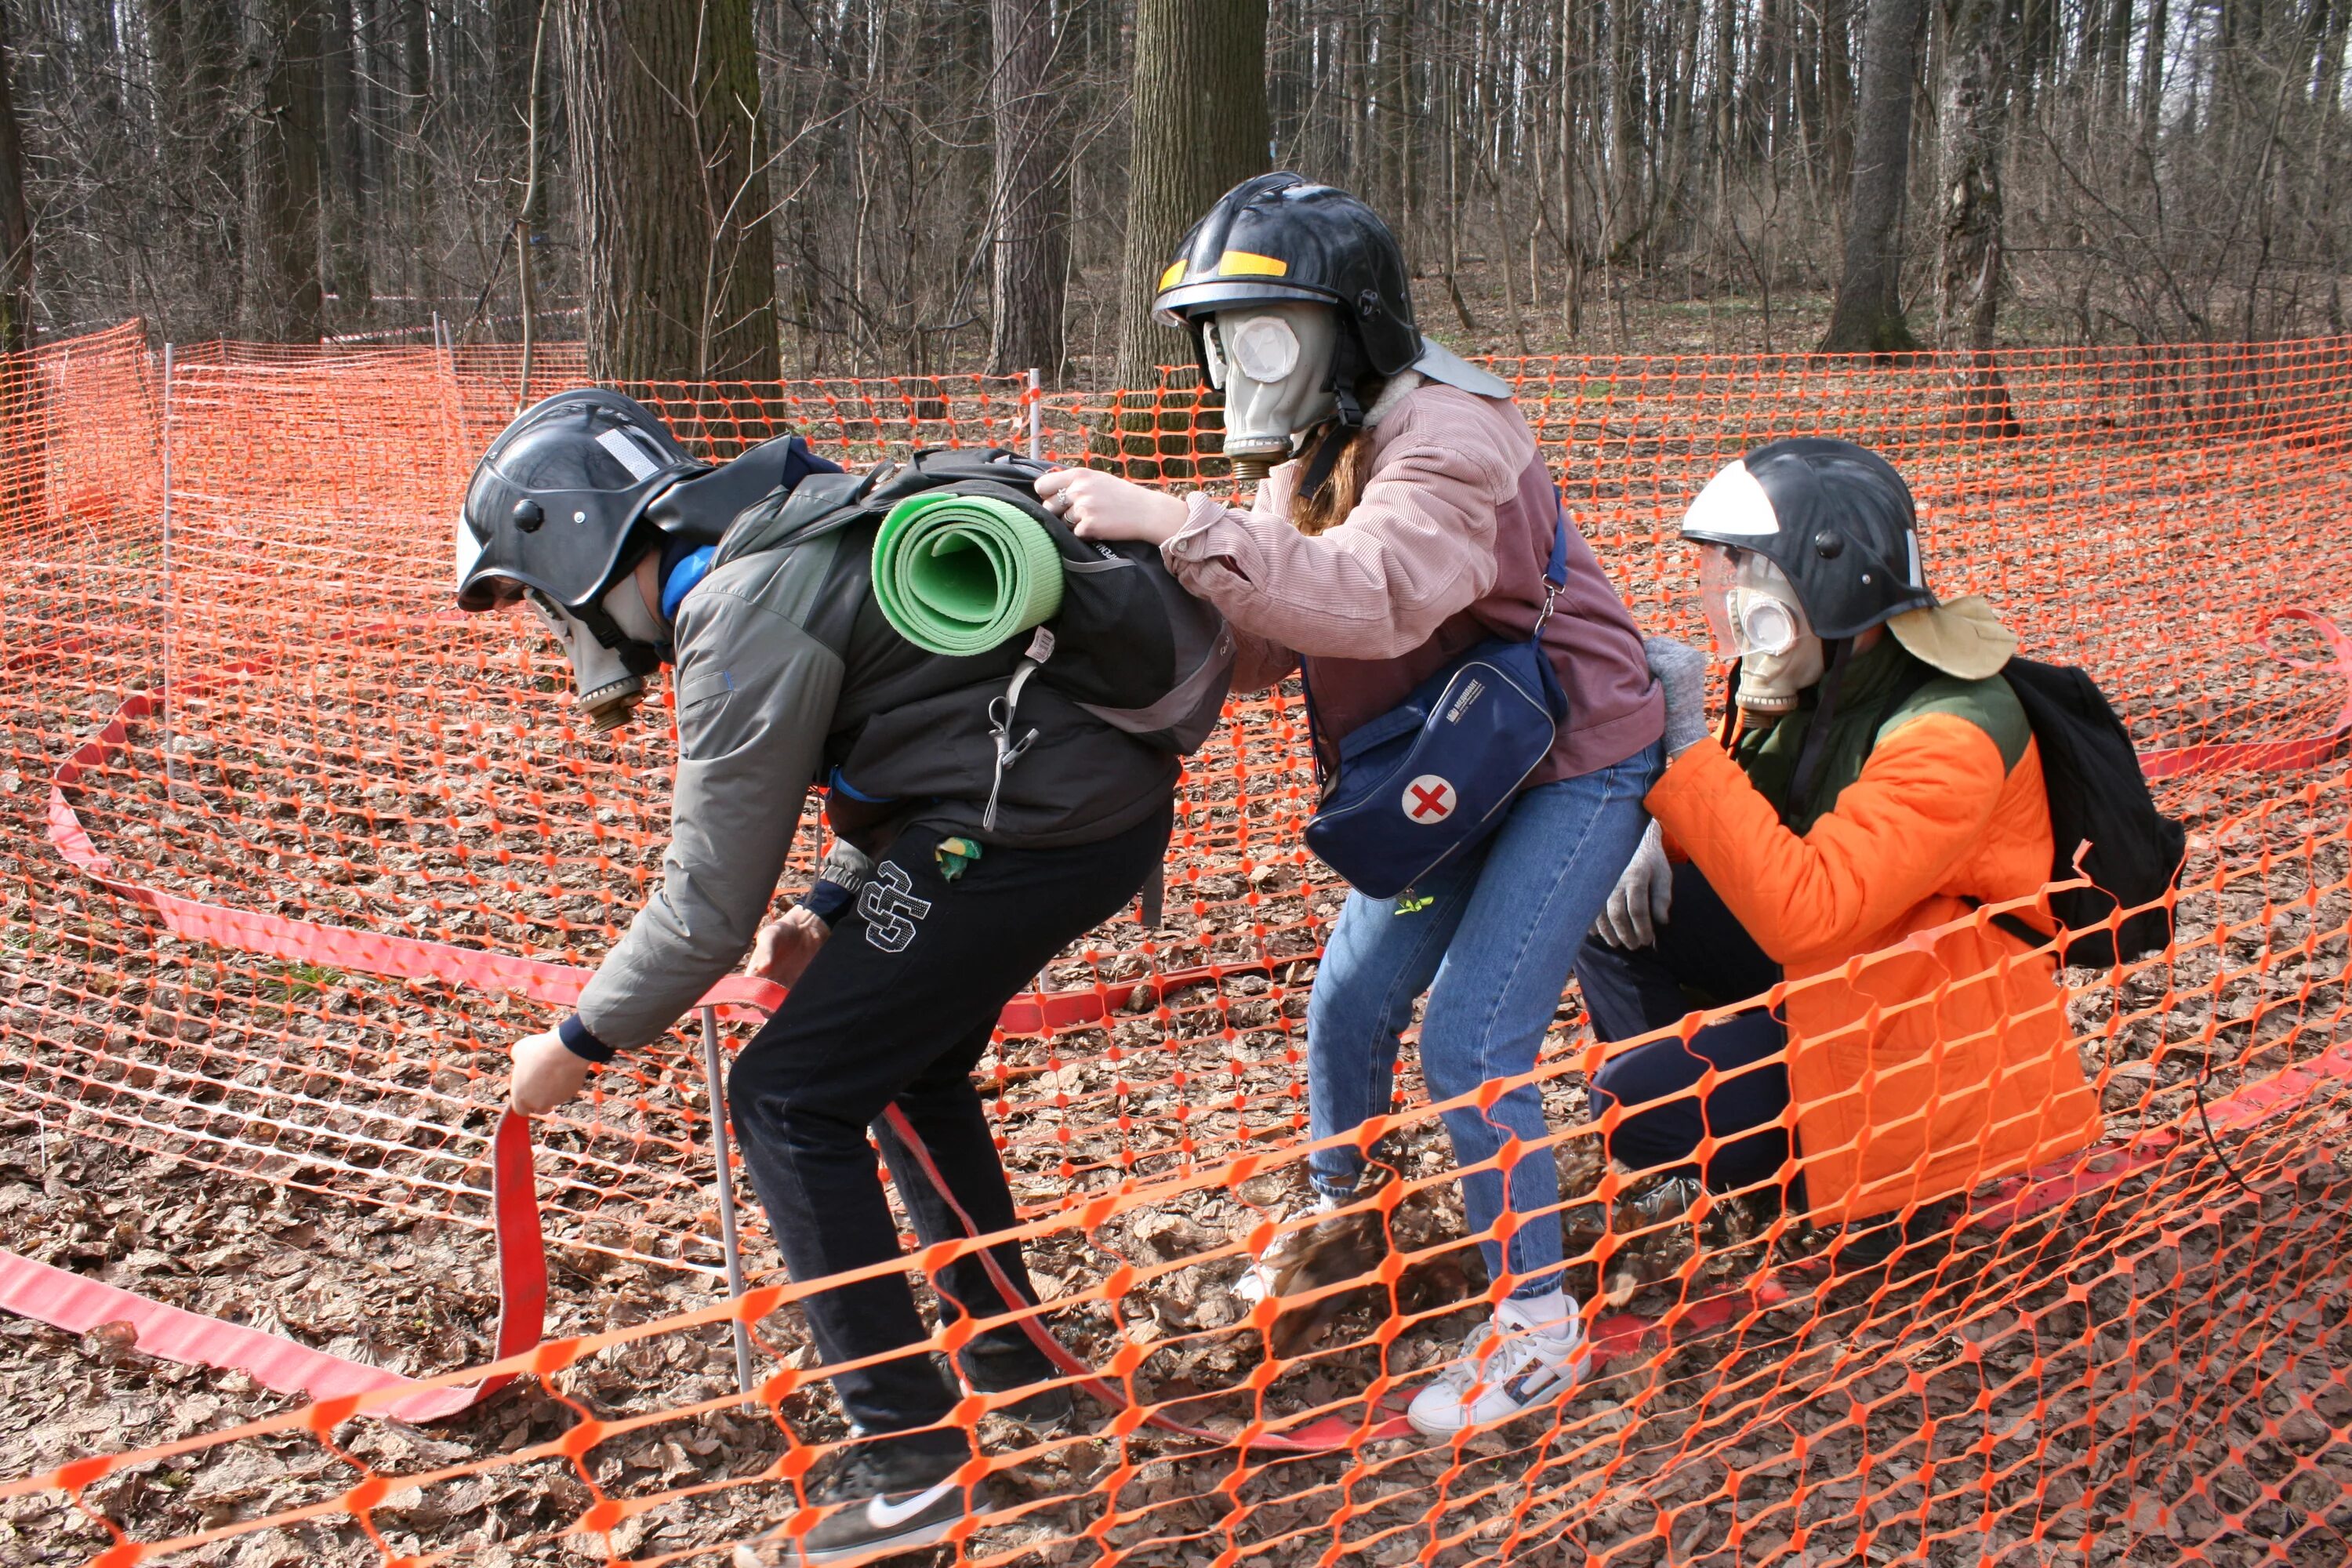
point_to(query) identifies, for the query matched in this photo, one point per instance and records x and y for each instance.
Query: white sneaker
(1507, 1367)
(1265, 1274)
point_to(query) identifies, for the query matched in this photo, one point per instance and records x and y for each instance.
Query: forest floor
(2121, 1303)
(2155, 1373)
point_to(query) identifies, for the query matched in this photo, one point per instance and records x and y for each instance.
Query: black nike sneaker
(886, 1498)
(990, 1365)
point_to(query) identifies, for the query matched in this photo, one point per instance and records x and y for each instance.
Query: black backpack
(2099, 802)
(2098, 797)
(1129, 646)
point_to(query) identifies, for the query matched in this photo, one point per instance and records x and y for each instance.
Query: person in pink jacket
(1407, 517)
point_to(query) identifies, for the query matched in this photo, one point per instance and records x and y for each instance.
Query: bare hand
(1097, 505)
(786, 946)
(546, 1073)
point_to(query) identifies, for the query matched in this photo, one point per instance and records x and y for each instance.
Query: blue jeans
(1491, 939)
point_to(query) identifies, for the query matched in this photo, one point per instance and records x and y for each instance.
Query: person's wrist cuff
(828, 902)
(1203, 511)
(580, 1043)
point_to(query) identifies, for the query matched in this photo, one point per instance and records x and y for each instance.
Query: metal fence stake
(728, 1243)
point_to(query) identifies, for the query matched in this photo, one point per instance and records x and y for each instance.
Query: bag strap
(1814, 752)
(1555, 581)
(1556, 569)
(1313, 728)
(818, 504)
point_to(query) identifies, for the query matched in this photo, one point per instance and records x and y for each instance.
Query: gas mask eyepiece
(1754, 612)
(1273, 363)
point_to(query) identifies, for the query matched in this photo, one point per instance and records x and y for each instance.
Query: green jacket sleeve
(755, 696)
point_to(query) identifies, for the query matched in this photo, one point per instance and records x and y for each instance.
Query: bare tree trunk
(1031, 206)
(417, 87)
(1867, 317)
(1625, 138)
(15, 226)
(1837, 88)
(286, 301)
(347, 209)
(677, 264)
(24, 435)
(527, 214)
(1974, 133)
(1199, 128)
(2328, 69)
(2151, 75)
(202, 158)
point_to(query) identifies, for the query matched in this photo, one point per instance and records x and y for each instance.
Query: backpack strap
(1915, 680)
(816, 502)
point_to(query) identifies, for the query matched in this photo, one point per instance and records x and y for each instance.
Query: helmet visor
(1751, 606)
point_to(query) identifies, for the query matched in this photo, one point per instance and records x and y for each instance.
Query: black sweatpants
(1703, 957)
(895, 1009)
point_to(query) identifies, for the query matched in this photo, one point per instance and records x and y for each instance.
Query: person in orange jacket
(1876, 782)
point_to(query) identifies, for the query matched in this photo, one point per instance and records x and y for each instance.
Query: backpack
(2099, 801)
(1128, 644)
(2098, 797)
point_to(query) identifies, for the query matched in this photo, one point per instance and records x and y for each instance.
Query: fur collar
(1394, 392)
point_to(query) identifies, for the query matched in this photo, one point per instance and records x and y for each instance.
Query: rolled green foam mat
(958, 574)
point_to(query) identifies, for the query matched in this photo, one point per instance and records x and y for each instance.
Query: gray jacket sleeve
(755, 696)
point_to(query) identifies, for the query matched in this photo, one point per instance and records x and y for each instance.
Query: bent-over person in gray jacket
(934, 909)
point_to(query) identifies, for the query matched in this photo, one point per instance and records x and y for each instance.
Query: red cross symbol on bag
(1429, 799)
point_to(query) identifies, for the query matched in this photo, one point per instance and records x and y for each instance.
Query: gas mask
(1273, 363)
(610, 681)
(1757, 618)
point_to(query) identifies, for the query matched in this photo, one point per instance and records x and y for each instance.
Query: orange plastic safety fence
(2133, 1354)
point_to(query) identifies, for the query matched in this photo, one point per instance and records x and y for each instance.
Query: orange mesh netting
(293, 852)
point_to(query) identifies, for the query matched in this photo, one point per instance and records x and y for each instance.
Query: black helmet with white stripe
(1835, 518)
(555, 501)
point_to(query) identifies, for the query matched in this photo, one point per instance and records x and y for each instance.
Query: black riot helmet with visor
(554, 503)
(570, 498)
(1281, 237)
(1805, 545)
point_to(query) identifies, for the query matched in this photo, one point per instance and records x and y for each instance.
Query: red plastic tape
(78, 1304)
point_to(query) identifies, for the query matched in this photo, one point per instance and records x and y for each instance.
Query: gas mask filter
(1755, 616)
(1273, 363)
(608, 688)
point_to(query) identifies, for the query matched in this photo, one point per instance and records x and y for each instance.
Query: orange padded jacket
(1919, 1064)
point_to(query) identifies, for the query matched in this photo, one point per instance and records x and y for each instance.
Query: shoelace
(1515, 1350)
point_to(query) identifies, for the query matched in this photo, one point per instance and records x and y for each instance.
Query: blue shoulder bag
(1431, 777)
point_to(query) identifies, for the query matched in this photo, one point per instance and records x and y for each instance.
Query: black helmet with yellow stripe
(1283, 236)
(1279, 237)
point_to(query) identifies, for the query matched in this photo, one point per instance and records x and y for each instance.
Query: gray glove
(1681, 670)
(1644, 893)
